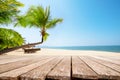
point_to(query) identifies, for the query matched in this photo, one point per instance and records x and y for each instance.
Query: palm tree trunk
(33, 44)
(26, 45)
(23, 46)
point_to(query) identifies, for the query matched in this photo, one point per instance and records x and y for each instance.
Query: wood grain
(8, 60)
(81, 70)
(106, 63)
(62, 71)
(40, 72)
(14, 74)
(18, 64)
(107, 59)
(102, 71)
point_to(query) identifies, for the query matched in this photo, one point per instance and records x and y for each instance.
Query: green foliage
(45, 36)
(10, 38)
(8, 10)
(40, 18)
(52, 23)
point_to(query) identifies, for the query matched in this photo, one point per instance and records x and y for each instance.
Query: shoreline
(83, 50)
(106, 48)
(62, 52)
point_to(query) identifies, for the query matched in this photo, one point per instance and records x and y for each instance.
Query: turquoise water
(96, 48)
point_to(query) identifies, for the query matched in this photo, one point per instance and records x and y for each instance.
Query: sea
(95, 48)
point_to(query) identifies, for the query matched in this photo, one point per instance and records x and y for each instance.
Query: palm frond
(21, 21)
(45, 36)
(10, 38)
(40, 18)
(47, 15)
(9, 10)
(52, 23)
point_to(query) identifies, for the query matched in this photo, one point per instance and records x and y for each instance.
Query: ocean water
(95, 48)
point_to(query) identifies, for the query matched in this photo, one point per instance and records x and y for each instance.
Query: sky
(85, 22)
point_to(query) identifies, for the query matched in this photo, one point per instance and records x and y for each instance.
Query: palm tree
(10, 38)
(8, 10)
(40, 18)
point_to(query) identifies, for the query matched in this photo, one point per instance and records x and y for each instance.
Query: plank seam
(19, 77)
(52, 69)
(71, 69)
(88, 66)
(108, 60)
(105, 65)
(20, 67)
(17, 60)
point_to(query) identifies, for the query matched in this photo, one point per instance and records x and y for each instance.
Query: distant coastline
(95, 48)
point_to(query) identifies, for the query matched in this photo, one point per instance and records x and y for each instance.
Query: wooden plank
(106, 63)
(81, 70)
(14, 74)
(40, 72)
(18, 64)
(115, 58)
(4, 61)
(102, 71)
(107, 59)
(62, 71)
(8, 57)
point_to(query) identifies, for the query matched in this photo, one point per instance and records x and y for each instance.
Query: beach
(58, 52)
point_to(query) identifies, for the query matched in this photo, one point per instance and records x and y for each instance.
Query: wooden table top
(59, 67)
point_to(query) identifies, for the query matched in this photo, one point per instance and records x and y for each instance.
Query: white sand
(58, 52)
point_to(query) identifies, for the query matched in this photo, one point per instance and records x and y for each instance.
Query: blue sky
(86, 22)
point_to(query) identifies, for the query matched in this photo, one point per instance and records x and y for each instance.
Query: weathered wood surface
(108, 59)
(103, 72)
(9, 60)
(113, 58)
(62, 71)
(7, 56)
(40, 72)
(82, 70)
(18, 64)
(13, 74)
(106, 63)
(59, 68)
